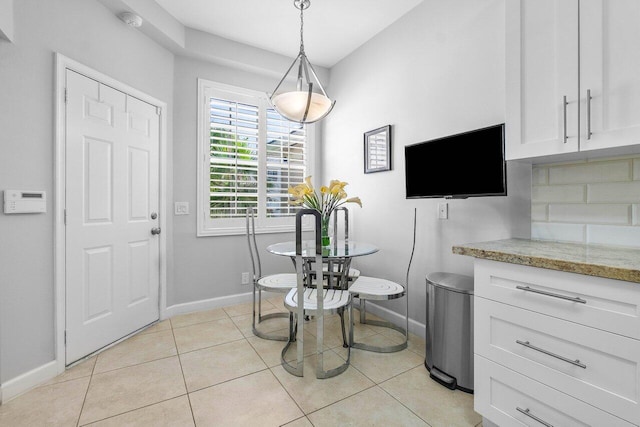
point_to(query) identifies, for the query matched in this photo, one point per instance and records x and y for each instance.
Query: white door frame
(62, 64)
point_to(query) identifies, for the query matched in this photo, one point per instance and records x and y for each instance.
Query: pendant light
(305, 101)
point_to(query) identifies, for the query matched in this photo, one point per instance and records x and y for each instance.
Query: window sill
(242, 231)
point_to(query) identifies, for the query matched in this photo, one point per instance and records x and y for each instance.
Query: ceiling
(332, 28)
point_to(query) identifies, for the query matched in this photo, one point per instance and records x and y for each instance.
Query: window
(248, 157)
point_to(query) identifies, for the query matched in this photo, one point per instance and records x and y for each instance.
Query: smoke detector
(131, 19)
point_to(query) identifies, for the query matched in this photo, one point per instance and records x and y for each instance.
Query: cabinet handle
(548, 353)
(564, 119)
(589, 114)
(551, 294)
(530, 415)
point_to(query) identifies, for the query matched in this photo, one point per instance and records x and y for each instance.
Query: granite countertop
(613, 262)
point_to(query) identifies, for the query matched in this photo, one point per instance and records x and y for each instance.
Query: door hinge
(65, 95)
(158, 111)
(65, 217)
(65, 337)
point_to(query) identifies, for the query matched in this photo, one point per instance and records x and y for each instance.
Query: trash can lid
(451, 281)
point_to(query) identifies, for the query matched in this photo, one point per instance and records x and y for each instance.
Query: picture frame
(377, 150)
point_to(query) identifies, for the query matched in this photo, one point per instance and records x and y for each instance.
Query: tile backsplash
(591, 201)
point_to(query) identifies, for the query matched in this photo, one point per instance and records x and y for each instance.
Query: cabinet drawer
(597, 367)
(607, 304)
(499, 392)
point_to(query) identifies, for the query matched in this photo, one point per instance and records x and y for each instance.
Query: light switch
(443, 211)
(181, 208)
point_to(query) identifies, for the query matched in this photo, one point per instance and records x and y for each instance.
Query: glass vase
(325, 231)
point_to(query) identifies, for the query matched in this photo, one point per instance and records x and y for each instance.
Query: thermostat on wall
(20, 201)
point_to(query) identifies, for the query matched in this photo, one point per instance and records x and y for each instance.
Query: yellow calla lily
(355, 200)
(332, 196)
(308, 181)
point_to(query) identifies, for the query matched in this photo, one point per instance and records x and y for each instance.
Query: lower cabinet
(508, 398)
(542, 360)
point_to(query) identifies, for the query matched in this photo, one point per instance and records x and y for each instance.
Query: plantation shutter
(248, 156)
(233, 150)
(285, 162)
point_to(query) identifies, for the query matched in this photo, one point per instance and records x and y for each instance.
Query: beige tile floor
(208, 369)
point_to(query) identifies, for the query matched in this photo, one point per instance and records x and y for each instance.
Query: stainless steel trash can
(449, 338)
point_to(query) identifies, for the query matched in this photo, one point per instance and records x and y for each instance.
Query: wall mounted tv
(468, 164)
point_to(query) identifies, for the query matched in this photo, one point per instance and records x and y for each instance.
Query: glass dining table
(337, 255)
(339, 249)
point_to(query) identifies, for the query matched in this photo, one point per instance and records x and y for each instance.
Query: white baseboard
(415, 328)
(25, 382)
(206, 304)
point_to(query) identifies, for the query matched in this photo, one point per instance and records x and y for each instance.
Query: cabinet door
(541, 70)
(609, 64)
(508, 398)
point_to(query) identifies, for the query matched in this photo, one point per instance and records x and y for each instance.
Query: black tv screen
(468, 164)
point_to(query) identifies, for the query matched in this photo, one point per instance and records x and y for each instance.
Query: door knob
(155, 230)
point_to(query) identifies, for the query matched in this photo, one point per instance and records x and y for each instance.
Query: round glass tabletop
(340, 249)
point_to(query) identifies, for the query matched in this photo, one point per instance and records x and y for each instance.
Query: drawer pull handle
(589, 98)
(530, 415)
(541, 350)
(551, 294)
(564, 119)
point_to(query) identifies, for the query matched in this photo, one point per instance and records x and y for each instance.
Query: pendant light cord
(301, 27)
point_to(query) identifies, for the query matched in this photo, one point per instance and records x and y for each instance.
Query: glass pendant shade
(301, 97)
(293, 106)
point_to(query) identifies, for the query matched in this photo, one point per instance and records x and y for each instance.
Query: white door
(609, 64)
(541, 70)
(112, 185)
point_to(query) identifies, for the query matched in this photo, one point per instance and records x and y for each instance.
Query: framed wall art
(377, 150)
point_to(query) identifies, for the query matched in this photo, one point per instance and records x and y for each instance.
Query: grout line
(287, 391)
(402, 403)
(135, 409)
(209, 346)
(184, 380)
(86, 393)
(134, 365)
(200, 323)
(227, 381)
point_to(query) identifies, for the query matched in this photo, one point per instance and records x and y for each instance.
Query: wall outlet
(443, 210)
(181, 208)
(245, 278)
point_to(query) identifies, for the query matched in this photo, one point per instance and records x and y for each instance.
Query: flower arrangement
(326, 202)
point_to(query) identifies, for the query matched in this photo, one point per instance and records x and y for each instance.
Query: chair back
(256, 267)
(335, 224)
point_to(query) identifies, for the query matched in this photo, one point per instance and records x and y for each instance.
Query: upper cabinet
(572, 76)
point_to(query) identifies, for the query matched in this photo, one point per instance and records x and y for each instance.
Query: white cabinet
(557, 53)
(564, 346)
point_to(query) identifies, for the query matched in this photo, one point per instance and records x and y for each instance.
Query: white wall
(208, 267)
(437, 71)
(86, 32)
(590, 201)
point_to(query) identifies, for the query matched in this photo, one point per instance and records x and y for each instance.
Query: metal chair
(351, 273)
(338, 273)
(280, 283)
(376, 289)
(310, 297)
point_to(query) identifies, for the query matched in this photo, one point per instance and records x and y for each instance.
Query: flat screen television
(468, 164)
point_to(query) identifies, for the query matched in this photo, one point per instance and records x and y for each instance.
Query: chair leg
(320, 372)
(261, 318)
(298, 368)
(344, 335)
(384, 324)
